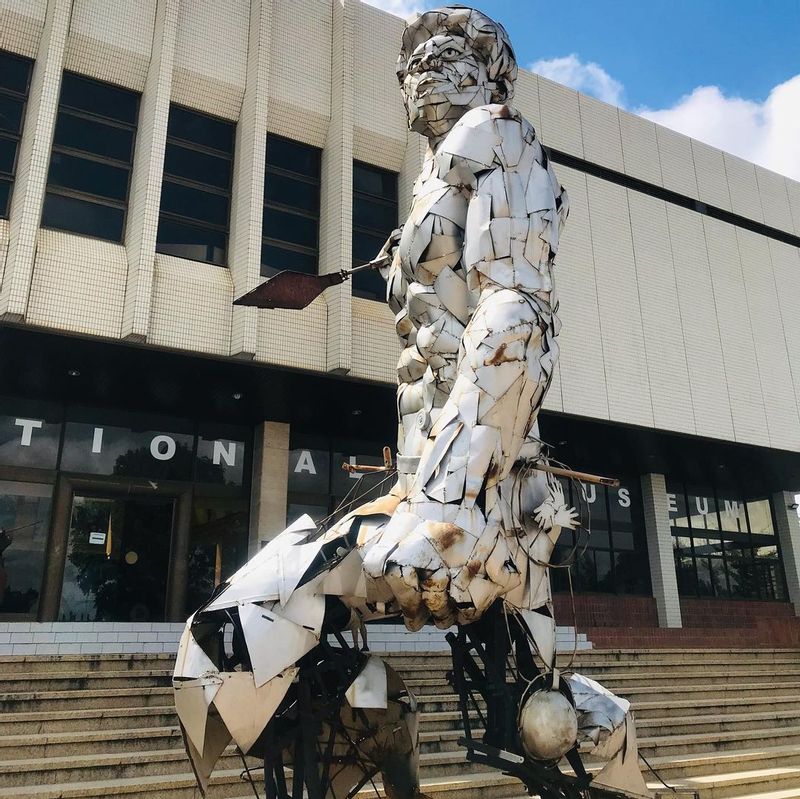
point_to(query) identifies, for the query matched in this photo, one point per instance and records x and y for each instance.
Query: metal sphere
(548, 725)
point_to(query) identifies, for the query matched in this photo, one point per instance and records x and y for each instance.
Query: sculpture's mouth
(429, 83)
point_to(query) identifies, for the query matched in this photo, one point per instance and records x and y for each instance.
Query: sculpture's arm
(508, 349)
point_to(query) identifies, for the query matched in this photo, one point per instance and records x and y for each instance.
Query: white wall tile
(736, 335)
(701, 333)
(560, 117)
(640, 148)
(667, 365)
(772, 356)
(581, 359)
(602, 143)
(618, 300)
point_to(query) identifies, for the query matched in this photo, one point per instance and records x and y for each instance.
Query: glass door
(117, 559)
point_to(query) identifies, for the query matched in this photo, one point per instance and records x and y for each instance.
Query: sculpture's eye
(450, 52)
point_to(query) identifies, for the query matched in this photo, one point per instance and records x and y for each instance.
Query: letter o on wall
(165, 453)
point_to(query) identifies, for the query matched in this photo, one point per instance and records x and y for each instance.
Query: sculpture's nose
(429, 60)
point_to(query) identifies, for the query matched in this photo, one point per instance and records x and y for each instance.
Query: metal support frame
(484, 653)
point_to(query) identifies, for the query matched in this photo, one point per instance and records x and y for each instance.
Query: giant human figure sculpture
(465, 535)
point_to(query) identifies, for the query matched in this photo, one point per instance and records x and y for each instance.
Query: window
(317, 483)
(290, 238)
(15, 77)
(723, 545)
(196, 192)
(374, 218)
(90, 164)
(24, 520)
(613, 557)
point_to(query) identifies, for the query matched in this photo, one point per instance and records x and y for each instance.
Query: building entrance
(118, 556)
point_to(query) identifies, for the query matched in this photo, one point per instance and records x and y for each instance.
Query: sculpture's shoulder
(491, 136)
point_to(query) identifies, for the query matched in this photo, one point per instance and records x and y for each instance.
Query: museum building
(159, 158)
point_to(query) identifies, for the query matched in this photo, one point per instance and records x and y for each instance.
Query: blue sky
(724, 71)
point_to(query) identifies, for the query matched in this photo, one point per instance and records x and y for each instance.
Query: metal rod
(585, 477)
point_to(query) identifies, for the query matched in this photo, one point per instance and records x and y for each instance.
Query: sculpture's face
(444, 79)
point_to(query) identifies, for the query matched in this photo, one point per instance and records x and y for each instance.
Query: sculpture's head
(453, 59)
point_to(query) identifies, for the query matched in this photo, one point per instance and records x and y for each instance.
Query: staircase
(725, 723)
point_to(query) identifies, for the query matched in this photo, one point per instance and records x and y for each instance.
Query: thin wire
(346, 501)
(20, 527)
(247, 771)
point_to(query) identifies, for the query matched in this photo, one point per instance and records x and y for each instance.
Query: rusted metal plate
(292, 290)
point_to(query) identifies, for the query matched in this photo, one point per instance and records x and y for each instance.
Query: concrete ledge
(81, 638)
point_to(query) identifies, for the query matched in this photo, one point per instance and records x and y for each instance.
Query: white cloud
(589, 78)
(767, 133)
(400, 8)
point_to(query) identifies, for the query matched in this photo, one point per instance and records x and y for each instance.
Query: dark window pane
(197, 166)
(293, 156)
(25, 509)
(370, 285)
(5, 197)
(93, 136)
(277, 259)
(605, 576)
(91, 177)
(98, 98)
(194, 203)
(202, 129)
(10, 113)
(8, 154)
(584, 571)
(286, 226)
(741, 574)
(82, 216)
(369, 213)
(291, 191)
(373, 180)
(15, 72)
(217, 545)
(684, 566)
(191, 241)
(704, 580)
(366, 246)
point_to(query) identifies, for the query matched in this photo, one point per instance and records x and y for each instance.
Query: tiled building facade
(161, 157)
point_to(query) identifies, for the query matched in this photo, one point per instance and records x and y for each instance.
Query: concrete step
(27, 772)
(423, 687)
(71, 744)
(229, 784)
(58, 721)
(48, 664)
(671, 746)
(684, 766)
(722, 722)
(92, 698)
(37, 681)
(743, 783)
(789, 793)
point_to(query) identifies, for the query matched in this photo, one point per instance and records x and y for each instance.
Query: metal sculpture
(464, 537)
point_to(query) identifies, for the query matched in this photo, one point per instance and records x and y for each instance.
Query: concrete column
(788, 530)
(33, 162)
(659, 550)
(270, 483)
(244, 256)
(412, 163)
(147, 174)
(336, 206)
